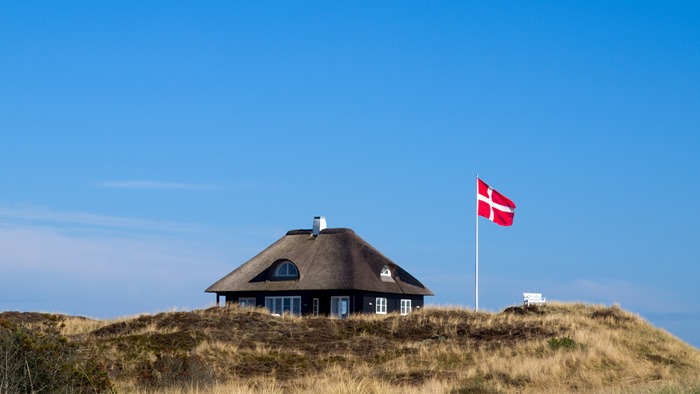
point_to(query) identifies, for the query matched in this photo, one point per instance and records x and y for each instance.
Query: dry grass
(552, 349)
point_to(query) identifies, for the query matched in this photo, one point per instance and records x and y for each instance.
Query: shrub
(172, 369)
(37, 361)
(562, 343)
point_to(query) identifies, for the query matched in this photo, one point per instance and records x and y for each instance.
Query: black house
(322, 271)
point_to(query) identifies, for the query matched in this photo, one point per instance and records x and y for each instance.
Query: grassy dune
(552, 349)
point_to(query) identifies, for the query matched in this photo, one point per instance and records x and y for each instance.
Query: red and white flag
(494, 205)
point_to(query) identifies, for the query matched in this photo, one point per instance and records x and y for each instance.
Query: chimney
(319, 224)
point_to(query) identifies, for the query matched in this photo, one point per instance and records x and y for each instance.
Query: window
(287, 270)
(405, 307)
(381, 305)
(315, 307)
(385, 271)
(385, 275)
(340, 307)
(247, 302)
(280, 305)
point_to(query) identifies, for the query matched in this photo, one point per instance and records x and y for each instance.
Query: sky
(147, 149)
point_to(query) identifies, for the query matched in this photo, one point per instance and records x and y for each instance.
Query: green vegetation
(37, 358)
(548, 349)
(562, 343)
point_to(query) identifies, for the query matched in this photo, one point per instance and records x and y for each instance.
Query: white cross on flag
(494, 205)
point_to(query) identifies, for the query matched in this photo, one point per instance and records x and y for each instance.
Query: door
(340, 307)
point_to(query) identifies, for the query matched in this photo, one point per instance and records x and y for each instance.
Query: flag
(494, 205)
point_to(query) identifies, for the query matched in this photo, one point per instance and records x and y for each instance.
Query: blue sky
(149, 148)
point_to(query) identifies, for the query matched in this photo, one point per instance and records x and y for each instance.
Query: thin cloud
(154, 185)
(142, 272)
(40, 215)
(165, 265)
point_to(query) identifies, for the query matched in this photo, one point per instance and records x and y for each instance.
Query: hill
(555, 348)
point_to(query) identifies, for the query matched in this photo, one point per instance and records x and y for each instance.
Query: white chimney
(319, 224)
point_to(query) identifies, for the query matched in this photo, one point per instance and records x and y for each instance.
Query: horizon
(147, 150)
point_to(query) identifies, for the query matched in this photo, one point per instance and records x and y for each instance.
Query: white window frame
(380, 307)
(247, 302)
(314, 309)
(405, 307)
(281, 305)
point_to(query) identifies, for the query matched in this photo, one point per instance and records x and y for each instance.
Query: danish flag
(494, 205)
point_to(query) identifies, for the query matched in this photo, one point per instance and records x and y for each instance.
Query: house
(329, 271)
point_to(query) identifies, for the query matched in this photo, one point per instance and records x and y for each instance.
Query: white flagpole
(476, 287)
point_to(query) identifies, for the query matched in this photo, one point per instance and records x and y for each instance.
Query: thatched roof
(334, 259)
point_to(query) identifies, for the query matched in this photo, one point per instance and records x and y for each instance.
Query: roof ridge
(334, 230)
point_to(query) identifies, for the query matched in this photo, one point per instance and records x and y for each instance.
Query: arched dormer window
(385, 271)
(286, 270)
(385, 274)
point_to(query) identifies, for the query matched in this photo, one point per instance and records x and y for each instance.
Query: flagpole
(476, 273)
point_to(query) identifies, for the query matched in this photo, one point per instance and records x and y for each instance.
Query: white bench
(533, 299)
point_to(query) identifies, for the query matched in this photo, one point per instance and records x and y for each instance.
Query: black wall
(360, 301)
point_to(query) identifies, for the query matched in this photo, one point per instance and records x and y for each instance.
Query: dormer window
(385, 271)
(286, 270)
(385, 274)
